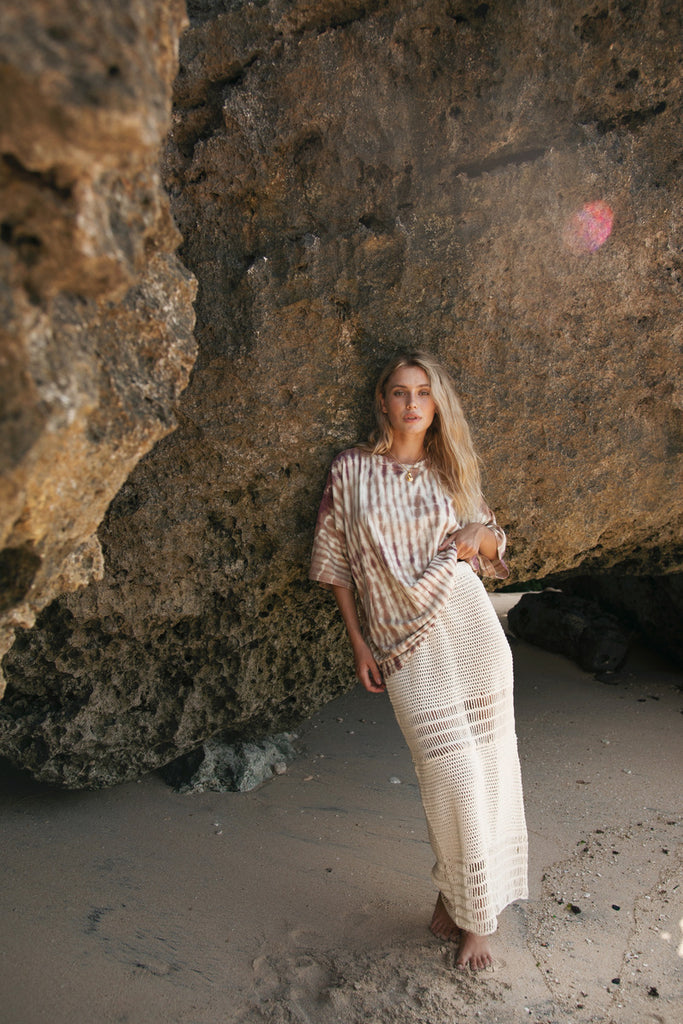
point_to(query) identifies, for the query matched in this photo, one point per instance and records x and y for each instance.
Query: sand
(307, 900)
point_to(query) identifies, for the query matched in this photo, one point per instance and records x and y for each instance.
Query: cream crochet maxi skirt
(453, 702)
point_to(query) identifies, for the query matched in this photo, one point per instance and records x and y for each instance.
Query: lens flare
(590, 227)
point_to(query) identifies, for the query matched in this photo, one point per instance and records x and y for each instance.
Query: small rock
(394, 779)
(222, 767)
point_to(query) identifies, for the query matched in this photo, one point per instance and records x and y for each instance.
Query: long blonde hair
(448, 442)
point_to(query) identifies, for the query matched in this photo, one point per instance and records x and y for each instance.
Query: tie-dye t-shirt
(379, 534)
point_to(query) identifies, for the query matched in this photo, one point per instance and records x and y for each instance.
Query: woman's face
(407, 401)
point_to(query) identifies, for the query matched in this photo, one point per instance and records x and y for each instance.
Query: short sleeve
(495, 568)
(329, 560)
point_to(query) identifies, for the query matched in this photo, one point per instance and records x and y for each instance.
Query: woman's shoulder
(351, 457)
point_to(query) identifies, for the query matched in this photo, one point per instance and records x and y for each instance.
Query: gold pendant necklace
(408, 470)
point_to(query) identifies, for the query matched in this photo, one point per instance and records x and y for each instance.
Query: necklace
(408, 470)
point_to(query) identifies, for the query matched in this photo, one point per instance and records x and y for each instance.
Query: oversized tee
(379, 533)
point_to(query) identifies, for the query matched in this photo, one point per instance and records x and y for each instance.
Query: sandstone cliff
(351, 178)
(96, 332)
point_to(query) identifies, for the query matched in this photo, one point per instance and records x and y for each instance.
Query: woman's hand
(367, 669)
(470, 540)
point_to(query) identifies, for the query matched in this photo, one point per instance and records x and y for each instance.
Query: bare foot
(442, 925)
(474, 952)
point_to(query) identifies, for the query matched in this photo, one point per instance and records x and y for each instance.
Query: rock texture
(218, 767)
(95, 310)
(351, 178)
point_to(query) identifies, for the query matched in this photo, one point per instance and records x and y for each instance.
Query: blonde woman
(401, 532)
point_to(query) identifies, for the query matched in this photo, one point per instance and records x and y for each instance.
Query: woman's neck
(407, 450)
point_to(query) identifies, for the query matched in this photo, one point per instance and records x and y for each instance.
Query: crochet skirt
(453, 702)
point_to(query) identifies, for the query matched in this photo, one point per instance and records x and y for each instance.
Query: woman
(401, 527)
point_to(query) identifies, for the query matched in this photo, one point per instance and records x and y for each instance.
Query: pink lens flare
(590, 227)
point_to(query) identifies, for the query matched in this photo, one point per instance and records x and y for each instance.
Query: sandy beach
(307, 900)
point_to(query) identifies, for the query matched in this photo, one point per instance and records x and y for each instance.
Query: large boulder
(352, 178)
(572, 626)
(651, 606)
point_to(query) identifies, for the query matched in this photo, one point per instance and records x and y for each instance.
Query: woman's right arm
(366, 666)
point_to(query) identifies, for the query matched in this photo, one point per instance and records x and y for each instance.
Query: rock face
(349, 179)
(96, 324)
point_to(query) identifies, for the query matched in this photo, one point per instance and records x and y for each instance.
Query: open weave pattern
(453, 702)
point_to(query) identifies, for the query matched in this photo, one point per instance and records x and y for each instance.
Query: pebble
(394, 779)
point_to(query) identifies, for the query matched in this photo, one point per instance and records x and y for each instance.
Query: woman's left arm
(482, 544)
(472, 540)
